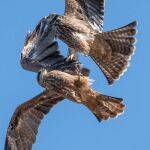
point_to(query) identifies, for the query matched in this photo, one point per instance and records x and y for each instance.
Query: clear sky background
(71, 126)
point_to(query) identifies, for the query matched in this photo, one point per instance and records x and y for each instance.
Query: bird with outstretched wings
(81, 28)
(40, 53)
(62, 78)
(25, 122)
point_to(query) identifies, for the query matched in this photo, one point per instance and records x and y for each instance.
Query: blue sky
(70, 126)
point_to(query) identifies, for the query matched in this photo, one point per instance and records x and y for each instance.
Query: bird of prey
(62, 78)
(23, 127)
(81, 28)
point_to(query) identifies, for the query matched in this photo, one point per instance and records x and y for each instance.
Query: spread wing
(38, 45)
(23, 127)
(91, 10)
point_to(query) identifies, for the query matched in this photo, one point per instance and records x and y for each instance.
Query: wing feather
(90, 10)
(38, 45)
(23, 127)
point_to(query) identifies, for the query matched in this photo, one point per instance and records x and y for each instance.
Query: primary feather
(81, 28)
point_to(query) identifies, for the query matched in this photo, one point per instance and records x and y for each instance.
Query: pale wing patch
(84, 41)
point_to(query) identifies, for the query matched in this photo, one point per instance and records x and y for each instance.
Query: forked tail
(118, 46)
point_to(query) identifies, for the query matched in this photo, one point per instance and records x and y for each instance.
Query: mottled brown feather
(23, 127)
(78, 89)
(105, 107)
(88, 10)
(117, 47)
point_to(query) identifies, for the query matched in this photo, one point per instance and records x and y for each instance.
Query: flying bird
(81, 28)
(23, 127)
(62, 78)
(39, 52)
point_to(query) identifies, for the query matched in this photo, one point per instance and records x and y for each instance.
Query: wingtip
(135, 23)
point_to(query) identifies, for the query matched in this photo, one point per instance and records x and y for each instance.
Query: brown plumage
(81, 28)
(77, 88)
(62, 78)
(23, 127)
(120, 47)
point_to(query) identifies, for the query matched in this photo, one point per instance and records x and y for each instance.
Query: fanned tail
(105, 107)
(121, 44)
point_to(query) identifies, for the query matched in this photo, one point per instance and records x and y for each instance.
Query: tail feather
(114, 68)
(121, 44)
(122, 40)
(125, 31)
(106, 107)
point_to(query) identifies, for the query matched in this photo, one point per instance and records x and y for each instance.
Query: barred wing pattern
(38, 45)
(92, 10)
(23, 127)
(120, 46)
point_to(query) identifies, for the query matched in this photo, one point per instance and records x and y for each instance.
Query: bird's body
(62, 78)
(77, 34)
(81, 28)
(80, 36)
(77, 88)
(67, 78)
